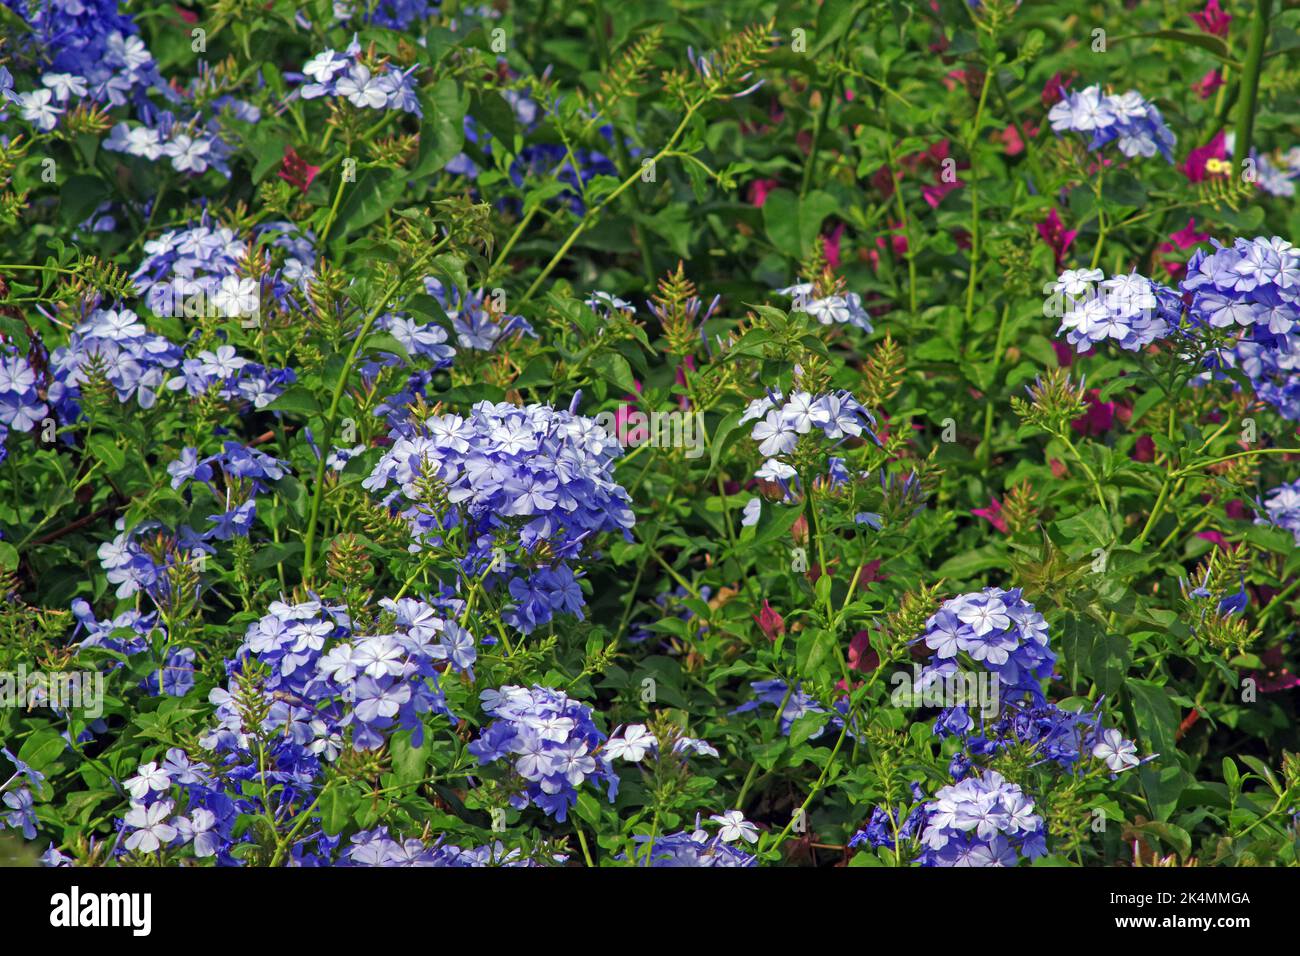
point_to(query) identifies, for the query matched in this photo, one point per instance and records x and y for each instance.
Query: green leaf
(1090, 527)
(588, 809)
(814, 648)
(793, 223)
(1163, 786)
(806, 727)
(720, 435)
(336, 806)
(497, 117)
(41, 749)
(299, 400)
(368, 199)
(615, 369)
(1231, 776)
(964, 566)
(104, 448)
(1212, 44)
(383, 342)
(442, 131)
(409, 762)
(1156, 716)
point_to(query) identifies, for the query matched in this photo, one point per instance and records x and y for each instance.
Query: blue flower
(1128, 119)
(553, 742)
(981, 821)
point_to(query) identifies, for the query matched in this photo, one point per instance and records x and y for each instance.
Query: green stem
(327, 437)
(803, 808)
(1250, 79)
(975, 199)
(986, 449)
(590, 216)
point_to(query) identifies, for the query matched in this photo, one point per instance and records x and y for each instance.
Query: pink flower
(1064, 354)
(1012, 140)
(1144, 449)
(1214, 537)
(993, 515)
(1194, 168)
(769, 622)
(622, 416)
(296, 171)
(1098, 419)
(1054, 233)
(1184, 238)
(1207, 84)
(689, 362)
(1055, 89)
(758, 191)
(934, 194)
(1275, 675)
(862, 657)
(831, 246)
(1213, 20)
(897, 245)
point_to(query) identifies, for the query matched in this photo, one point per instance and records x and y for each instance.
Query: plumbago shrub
(649, 434)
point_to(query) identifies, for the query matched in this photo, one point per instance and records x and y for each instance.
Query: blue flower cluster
(245, 473)
(478, 322)
(1001, 631)
(884, 824)
(138, 558)
(981, 821)
(536, 475)
(95, 55)
(320, 684)
(1128, 119)
(1274, 173)
(1045, 732)
(21, 407)
(542, 160)
(377, 848)
(326, 679)
(1252, 285)
(798, 703)
(1131, 310)
(116, 344)
(21, 814)
(526, 112)
(394, 14)
(836, 309)
(553, 745)
(88, 49)
(779, 424)
(1281, 508)
(694, 848)
(377, 86)
(202, 269)
(1274, 372)
(192, 144)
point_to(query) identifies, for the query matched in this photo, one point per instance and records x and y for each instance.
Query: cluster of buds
(678, 308)
(882, 373)
(1020, 507)
(1055, 400)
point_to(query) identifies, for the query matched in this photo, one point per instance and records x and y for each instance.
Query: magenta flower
(770, 622)
(993, 515)
(1194, 169)
(1054, 233)
(1213, 20)
(1207, 84)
